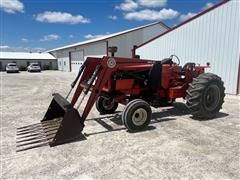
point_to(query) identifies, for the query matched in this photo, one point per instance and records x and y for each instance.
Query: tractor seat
(155, 74)
(188, 65)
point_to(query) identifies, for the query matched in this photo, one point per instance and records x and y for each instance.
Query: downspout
(107, 48)
(70, 62)
(238, 79)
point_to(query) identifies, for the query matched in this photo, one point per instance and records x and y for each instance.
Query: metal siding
(93, 50)
(77, 56)
(212, 37)
(123, 43)
(126, 42)
(105, 38)
(152, 31)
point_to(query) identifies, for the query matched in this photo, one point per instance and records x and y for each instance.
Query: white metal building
(25, 58)
(71, 57)
(211, 36)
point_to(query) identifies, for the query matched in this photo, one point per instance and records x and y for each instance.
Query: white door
(63, 64)
(60, 64)
(77, 58)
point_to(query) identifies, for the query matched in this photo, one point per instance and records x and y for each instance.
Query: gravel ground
(175, 145)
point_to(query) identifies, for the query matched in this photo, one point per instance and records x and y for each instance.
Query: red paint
(187, 21)
(126, 86)
(91, 65)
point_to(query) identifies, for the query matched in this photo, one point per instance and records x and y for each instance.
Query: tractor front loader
(138, 84)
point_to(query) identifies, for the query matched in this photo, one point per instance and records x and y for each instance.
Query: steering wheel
(171, 57)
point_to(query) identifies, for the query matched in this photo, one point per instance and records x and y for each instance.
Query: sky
(40, 25)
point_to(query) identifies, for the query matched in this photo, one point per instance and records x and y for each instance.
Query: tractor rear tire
(105, 106)
(205, 96)
(137, 115)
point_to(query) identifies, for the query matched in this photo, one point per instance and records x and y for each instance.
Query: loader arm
(62, 122)
(101, 80)
(90, 66)
(108, 67)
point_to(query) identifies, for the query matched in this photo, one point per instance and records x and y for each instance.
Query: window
(50, 65)
(35, 64)
(64, 63)
(12, 65)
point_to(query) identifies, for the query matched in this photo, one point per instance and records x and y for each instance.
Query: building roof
(26, 55)
(108, 36)
(185, 22)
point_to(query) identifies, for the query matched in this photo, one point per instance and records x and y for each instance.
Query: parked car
(12, 67)
(34, 67)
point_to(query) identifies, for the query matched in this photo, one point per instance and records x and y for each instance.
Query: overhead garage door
(77, 58)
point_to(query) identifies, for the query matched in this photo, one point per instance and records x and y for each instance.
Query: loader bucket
(61, 124)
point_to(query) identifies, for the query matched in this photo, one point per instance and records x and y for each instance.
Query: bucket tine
(28, 135)
(29, 139)
(61, 123)
(28, 130)
(35, 126)
(35, 129)
(29, 126)
(35, 135)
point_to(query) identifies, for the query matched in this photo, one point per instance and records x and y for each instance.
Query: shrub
(46, 67)
(22, 68)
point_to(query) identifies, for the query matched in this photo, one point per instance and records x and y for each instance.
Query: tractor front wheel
(205, 96)
(137, 115)
(106, 106)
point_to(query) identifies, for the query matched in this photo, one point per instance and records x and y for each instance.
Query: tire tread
(194, 95)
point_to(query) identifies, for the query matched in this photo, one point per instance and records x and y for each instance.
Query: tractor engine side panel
(170, 77)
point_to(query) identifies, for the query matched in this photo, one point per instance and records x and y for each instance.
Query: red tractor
(138, 84)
